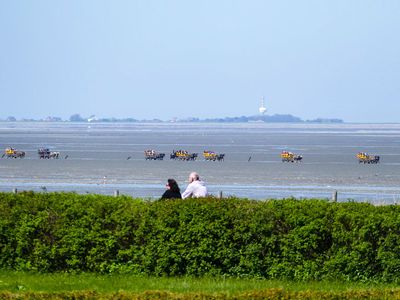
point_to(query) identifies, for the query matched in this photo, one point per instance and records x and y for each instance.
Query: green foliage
(275, 239)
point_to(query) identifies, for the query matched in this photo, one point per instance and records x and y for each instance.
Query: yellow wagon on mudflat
(13, 153)
(288, 156)
(367, 159)
(183, 155)
(210, 155)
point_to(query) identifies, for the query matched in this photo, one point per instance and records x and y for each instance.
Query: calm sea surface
(98, 161)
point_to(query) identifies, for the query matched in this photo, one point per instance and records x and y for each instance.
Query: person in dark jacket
(173, 191)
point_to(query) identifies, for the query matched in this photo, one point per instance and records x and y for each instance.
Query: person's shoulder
(177, 195)
(191, 185)
(171, 195)
(201, 183)
(166, 195)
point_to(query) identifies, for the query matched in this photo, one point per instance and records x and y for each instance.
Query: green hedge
(285, 239)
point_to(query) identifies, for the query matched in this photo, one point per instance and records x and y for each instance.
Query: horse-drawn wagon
(212, 156)
(183, 155)
(45, 153)
(367, 159)
(153, 155)
(288, 156)
(13, 153)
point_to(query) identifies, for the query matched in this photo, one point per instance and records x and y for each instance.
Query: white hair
(194, 176)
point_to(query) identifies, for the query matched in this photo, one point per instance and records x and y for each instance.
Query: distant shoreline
(193, 122)
(277, 118)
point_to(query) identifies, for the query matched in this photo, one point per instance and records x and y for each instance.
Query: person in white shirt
(196, 187)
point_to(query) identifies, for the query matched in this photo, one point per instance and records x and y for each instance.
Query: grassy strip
(107, 284)
(264, 294)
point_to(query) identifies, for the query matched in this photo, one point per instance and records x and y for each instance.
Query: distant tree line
(277, 118)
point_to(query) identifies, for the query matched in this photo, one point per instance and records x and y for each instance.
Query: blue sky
(164, 59)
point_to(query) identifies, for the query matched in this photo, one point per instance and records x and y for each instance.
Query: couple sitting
(196, 188)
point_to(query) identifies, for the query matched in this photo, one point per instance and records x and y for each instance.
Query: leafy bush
(285, 239)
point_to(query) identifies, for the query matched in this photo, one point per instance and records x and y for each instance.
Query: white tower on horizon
(92, 118)
(262, 108)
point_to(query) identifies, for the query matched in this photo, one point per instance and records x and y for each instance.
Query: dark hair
(173, 185)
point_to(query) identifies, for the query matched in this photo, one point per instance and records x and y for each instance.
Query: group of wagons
(286, 156)
(44, 153)
(362, 157)
(183, 155)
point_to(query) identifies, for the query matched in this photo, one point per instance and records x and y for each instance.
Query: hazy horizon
(93, 118)
(160, 60)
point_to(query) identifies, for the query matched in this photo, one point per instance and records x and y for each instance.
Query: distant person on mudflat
(196, 187)
(173, 191)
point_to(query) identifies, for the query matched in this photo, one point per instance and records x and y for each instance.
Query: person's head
(193, 177)
(173, 185)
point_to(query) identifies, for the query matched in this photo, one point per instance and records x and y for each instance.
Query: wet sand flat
(98, 158)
